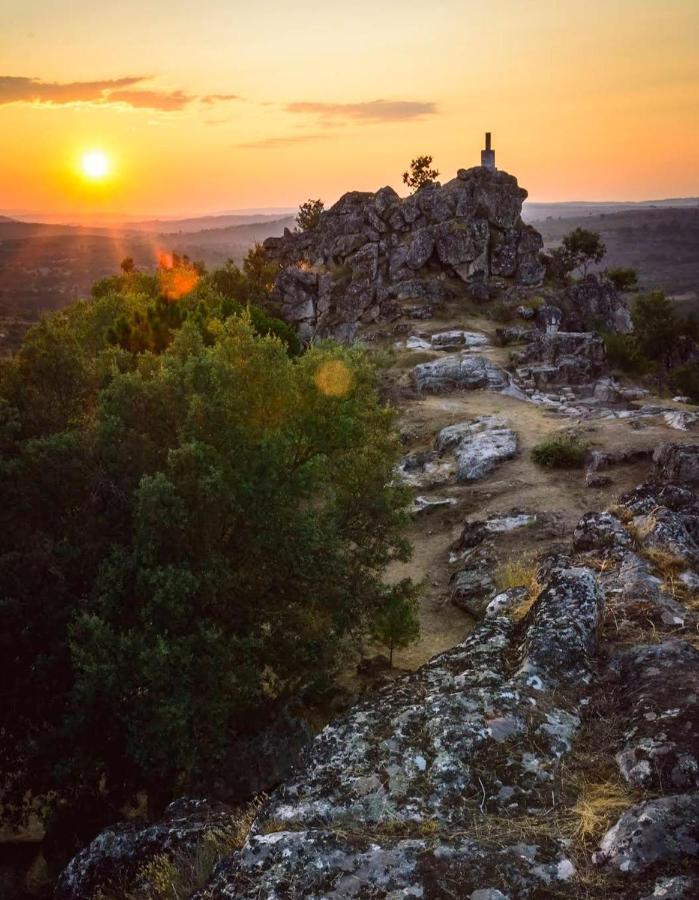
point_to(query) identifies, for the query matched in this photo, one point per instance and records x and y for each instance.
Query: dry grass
(665, 564)
(176, 876)
(599, 805)
(521, 572)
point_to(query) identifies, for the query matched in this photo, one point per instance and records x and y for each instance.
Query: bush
(189, 539)
(685, 380)
(560, 451)
(623, 278)
(502, 313)
(624, 354)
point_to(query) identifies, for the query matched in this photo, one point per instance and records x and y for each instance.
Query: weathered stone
(116, 854)
(568, 358)
(455, 340)
(471, 590)
(372, 245)
(478, 445)
(600, 531)
(661, 742)
(677, 463)
(505, 601)
(462, 372)
(653, 832)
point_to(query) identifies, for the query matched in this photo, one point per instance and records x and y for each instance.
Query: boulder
(677, 463)
(462, 372)
(594, 302)
(471, 590)
(479, 445)
(117, 854)
(653, 832)
(563, 358)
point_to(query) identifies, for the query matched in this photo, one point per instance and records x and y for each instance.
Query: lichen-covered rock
(323, 865)
(600, 531)
(465, 371)
(116, 854)
(562, 358)
(655, 831)
(661, 742)
(372, 252)
(478, 445)
(594, 302)
(505, 601)
(677, 463)
(471, 590)
(455, 340)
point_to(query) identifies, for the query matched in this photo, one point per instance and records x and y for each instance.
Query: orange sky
(221, 104)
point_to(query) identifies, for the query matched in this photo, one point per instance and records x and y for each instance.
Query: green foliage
(623, 278)
(579, 249)
(502, 313)
(684, 380)
(189, 537)
(397, 625)
(624, 354)
(420, 173)
(309, 214)
(560, 451)
(655, 328)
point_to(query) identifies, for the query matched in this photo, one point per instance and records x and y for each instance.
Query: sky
(220, 104)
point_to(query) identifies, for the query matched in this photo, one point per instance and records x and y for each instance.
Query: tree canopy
(309, 214)
(194, 527)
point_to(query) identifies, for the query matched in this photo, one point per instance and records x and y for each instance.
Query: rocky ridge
(465, 777)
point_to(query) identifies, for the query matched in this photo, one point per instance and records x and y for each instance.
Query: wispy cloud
(123, 91)
(368, 111)
(272, 143)
(219, 98)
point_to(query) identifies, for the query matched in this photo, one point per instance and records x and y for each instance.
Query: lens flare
(333, 378)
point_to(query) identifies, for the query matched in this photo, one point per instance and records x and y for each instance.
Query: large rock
(479, 445)
(117, 854)
(654, 832)
(661, 742)
(594, 302)
(562, 358)
(677, 463)
(463, 372)
(371, 253)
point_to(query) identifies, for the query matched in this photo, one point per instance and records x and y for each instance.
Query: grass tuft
(560, 451)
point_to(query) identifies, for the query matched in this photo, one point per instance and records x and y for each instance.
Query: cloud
(125, 91)
(272, 143)
(166, 101)
(219, 98)
(368, 111)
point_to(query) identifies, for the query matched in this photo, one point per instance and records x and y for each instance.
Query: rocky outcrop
(562, 358)
(677, 463)
(459, 779)
(594, 302)
(117, 854)
(463, 372)
(372, 255)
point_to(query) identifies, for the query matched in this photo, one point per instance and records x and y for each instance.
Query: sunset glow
(244, 106)
(95, 165)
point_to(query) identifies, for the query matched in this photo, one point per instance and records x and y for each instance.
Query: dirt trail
(558, 498)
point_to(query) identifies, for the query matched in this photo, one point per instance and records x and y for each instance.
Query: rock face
(478, 445)
(562, 358)
(594, 302)
(116, 855)
(463, 372)
(372, 254)
(677, 463)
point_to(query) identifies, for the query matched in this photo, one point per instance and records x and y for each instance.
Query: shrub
(685, 380)
(502, 313)
(560, 451)
(623, 278)
(309, 215)
(624, 353)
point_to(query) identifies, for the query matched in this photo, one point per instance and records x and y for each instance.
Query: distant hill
(578, 209)
(661, 243)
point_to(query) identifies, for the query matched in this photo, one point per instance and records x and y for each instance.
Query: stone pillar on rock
(488, 155)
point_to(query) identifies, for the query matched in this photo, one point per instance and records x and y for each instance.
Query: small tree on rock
(309, 214)
(420, 173)
(397, 625)
(579, 250)
(623, 278)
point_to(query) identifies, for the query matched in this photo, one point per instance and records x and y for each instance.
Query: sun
(95, 165)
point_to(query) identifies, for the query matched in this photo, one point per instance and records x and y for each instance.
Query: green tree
(260, 271)
(623, 278)
(655, 330)
(309, 215)
(188, 538)
(579, 250)
(397, 624)
(127, 265)
(420, 173)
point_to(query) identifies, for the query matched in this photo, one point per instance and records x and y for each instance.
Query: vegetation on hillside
(195, 522)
